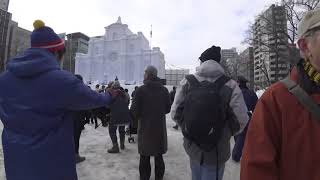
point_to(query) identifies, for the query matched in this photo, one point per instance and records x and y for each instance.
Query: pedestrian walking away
(209, 107)
(150, 105)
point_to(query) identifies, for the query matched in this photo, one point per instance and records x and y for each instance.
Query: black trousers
(239, 143)
(113, 133)
(77, 133)
(145, 167)
(94, 119)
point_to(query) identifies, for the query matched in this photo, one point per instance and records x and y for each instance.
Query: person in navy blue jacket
(251, 99)
(37, 99)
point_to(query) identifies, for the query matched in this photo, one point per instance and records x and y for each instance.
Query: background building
(19, 40)
(229, 54)
(5, 19)
(174, 76)
(119, 53)
(4, 4)
(229, 60)
(246, 66)
(75, 43)
(270, 46)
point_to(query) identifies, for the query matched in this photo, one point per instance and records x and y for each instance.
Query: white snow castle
(119, 53)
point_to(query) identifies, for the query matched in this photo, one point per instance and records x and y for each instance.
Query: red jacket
(283, 140)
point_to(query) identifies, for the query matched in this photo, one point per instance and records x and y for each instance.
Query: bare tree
(225, 66)
(233, 67)
(295, 10)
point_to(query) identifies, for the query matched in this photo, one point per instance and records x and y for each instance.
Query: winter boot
(79, 159)
(122, 140)
(114, 149)
(122, 147)
(96, 126)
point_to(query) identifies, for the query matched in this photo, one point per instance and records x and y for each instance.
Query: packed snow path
(100, 165)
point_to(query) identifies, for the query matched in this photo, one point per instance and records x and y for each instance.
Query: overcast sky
(183, 29)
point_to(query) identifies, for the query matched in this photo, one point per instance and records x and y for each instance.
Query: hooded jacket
(283, 138)
(36, 103)
(211, 71)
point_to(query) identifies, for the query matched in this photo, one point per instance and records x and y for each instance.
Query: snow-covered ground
(100, 165)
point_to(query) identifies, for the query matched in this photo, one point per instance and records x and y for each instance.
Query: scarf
(312, 73)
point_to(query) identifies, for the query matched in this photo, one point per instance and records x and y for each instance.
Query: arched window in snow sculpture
(131, 48)
(130, 69)
(96, 50)
(113, 56)
(114, 35)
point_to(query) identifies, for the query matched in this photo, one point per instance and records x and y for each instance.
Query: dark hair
(174, 88)
(98, 85)
(126, 90)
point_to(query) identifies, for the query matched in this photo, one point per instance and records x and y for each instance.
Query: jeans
(206, 172)
(145, 167)
(113, 134)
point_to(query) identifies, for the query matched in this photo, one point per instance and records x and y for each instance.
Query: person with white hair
(150, 105)
(283, 136)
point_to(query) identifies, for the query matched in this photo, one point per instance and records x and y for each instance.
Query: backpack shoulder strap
(303, 97)
(221, 81)
(192, 80)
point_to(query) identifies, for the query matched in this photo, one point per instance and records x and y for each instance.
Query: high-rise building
(270, 46)
(228, 54)
(5, 19)
(19, 40)
(246, 66)
(4, 4)
(75, 43)
(174, 76)
(228, 58)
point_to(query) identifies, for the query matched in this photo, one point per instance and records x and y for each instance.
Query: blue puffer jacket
(36, 100)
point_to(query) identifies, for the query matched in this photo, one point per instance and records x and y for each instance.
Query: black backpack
(205, 112)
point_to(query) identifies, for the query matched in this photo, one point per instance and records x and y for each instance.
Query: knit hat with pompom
(44, 37)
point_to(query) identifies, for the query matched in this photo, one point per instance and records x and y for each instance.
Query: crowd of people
(44, 109)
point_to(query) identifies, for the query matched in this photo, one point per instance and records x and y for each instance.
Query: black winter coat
(172, 95)
(150, 105)
(119, 111)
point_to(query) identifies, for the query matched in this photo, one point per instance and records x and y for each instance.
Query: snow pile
(260, 93)
(100, 165)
